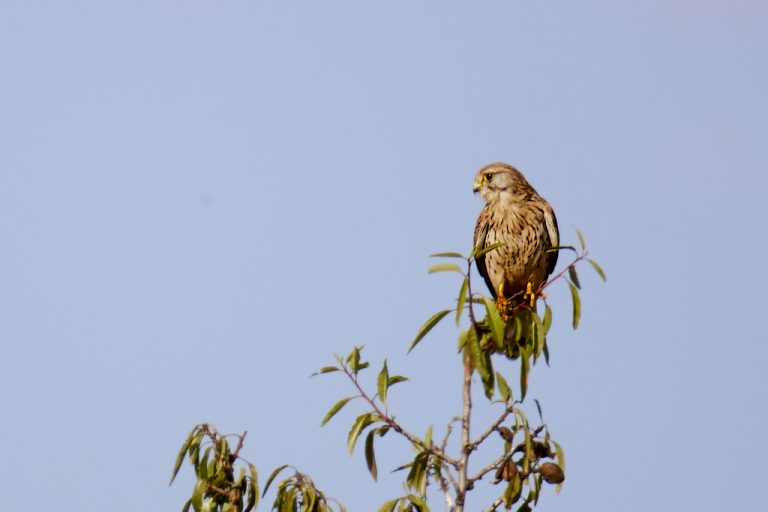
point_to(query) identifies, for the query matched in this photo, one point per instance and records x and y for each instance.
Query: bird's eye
(488, 176)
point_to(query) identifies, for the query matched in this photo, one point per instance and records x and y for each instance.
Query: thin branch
(444, 486)
(466, 448)
(495, 504)
(490, 467)
(509, 410)
(396, 426)
(560, 274)
(239, 446)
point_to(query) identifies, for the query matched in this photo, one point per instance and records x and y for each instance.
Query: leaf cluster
(217, 489)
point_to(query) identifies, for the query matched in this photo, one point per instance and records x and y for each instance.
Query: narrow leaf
(447, 255)
(383, 383)
(478, 252)
(389, 506)
(562, 247)
(461, 300)
(180, 457)
(560, 459)
(326, 369)
(445, 267)
(358, 426)
(574, 277)
(197, 495)
(253, 489)
(538, 408)
(598, 269)
(524, 369)
(497, 325)
(504, 390)
(395, 380)
(581, 238)
(428, 325)
(547, 318)
(272, 477)
(576, 305)
(370, 455)
(419, 502)
(336, 408)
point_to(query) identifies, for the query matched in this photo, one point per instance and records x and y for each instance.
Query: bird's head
(499, 178)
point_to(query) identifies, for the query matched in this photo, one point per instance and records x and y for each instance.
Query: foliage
(529, 457)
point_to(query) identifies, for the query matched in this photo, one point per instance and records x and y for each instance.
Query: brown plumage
(517, 216)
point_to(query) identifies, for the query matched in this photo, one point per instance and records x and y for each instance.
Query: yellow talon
(501, 303)
(529, 291)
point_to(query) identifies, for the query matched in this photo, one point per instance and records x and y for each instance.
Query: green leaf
(272, 477)
(383, 383)
(539, 338)
(389, 506)
(186, 506)
(445, 267)
(194, 451)
(447, 255)
(574, 277)
(428, 436)
(197, 495)
(513, 490)
(358, 426)
(525, 368)
(253, 489)
(560, 460)
(417, 476)
(395, 380)
(370, 455)
(461, 300)
(326, 369)
(562, 247)
(336, 408)
(202, 468)
(538, 408)
(428, 325)
(211, 470)
(581, 238)
(504, 390)
(547, 318)
(419, 502)
(576, 305)
(289, 500)
(487, 374)
(353, 359)
(497, 325)
(180, 456)
(482, 251)
(598, 269)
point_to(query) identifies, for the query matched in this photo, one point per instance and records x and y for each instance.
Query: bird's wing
(481, 233)
(554, 237)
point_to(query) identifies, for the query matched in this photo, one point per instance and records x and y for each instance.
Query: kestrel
(517, 216)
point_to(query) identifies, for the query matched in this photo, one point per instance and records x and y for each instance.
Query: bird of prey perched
(519, 218)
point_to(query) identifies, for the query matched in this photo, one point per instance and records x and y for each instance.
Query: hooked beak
(477, 186)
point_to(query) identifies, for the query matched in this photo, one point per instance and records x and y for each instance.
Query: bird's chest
(521, 233)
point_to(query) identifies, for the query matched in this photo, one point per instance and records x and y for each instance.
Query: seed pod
(552, 473)
(506, 471)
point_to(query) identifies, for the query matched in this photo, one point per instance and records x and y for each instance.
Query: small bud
(552, 473)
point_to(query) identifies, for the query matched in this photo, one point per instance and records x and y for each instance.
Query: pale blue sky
(200, 202)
